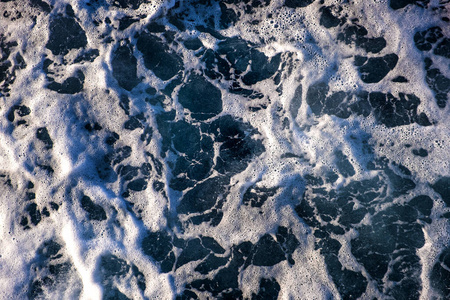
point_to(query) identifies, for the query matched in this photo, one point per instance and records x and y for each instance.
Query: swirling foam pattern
(233, 149)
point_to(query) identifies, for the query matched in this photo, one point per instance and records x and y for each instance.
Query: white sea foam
(313, 54)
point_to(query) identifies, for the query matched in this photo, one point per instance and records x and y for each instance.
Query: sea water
(252, 149)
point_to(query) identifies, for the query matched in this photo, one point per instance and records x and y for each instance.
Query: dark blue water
(254, 149)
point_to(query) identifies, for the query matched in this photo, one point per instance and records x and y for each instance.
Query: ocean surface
(234, 149)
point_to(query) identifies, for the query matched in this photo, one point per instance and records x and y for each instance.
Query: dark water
(254, 149)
